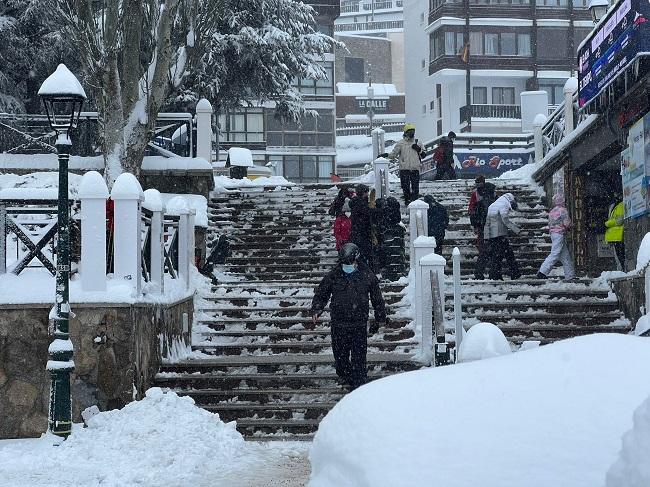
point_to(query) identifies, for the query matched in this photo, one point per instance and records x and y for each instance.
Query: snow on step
(265, 363)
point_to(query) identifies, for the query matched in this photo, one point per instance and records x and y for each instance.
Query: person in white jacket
(496, 229)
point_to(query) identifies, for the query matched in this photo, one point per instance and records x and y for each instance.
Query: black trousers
(483, 254)
(410, 181)
(619, 248)
(498, 248)
(445, 173)
(350, 345)
(440, 240)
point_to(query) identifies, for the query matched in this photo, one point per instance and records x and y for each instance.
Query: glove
(374, 328)
(416, 147)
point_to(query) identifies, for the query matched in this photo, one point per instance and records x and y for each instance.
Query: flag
(464, 53)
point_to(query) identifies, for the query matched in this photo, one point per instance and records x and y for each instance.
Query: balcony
(369, 26)
(490, 111)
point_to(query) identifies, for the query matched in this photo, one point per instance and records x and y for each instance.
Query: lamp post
(62, 95)
(598, 9)
(371, 96)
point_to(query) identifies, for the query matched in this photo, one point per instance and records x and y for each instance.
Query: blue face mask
(348, 268)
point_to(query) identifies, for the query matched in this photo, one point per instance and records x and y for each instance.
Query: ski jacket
(498, 222)
(479, 203)
(558, 218)
(342, 229)
(614, 224)
(437, 217)
(408, 157)
(361, 217)
(349, 294)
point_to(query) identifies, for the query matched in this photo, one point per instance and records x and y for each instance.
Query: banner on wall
(633, 171)
(469, 163)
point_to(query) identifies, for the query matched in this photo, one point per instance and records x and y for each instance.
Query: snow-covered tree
(30, 48)
(140, 54)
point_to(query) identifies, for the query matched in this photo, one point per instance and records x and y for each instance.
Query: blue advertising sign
(469, 163)
(622, 36)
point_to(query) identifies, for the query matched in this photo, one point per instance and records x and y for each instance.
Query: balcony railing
(378, 5)
(346, 9)
(490, 111)
(358, 26)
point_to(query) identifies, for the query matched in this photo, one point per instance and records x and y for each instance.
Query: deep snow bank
(548, 416)
(162, 440)
(632, 468)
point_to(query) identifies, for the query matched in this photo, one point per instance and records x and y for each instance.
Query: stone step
(220, 323)
(263, 395)
(318, 334)
(292, 411)
(294, 346)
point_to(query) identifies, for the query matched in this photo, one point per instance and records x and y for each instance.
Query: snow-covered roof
(62, 82)
(48, 162)
(240, 156)
(161, 163)
(361, 89)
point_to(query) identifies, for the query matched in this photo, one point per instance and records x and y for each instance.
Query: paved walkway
(281, 465)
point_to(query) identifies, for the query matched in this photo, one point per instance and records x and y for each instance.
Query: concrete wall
(397, 59)
(117, 351)
(374, 50)
(182, 182)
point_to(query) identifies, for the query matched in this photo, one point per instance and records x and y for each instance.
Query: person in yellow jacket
(614, 232)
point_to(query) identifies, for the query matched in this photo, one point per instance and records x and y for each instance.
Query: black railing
(490, 111)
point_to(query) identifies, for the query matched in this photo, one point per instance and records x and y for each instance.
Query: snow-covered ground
(552, 415)
(356, 150)
(163, 440)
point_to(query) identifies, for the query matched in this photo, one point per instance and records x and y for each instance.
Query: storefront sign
(378, 105)
(490, 164)
(618, 40)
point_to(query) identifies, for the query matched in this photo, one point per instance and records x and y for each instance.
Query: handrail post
(423, 246)
(93, 194)
(538, 124)
(415, 207)
(380, 168)
(3, 238)
(153, 202)
(458, 310)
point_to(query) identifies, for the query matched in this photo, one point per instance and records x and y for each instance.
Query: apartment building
(301, 152)
(469, 61)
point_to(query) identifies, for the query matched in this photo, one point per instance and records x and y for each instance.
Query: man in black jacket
(437, 221)
(349, 285)
(362, 216)
(445, 163)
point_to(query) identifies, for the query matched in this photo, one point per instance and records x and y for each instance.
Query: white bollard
(415, 207)
(538, 138)
(127, 196)
(427, 264)
(458, 310)
(378, 145)
(422, 246)
(153, 202)
(93, 194)
(570, 87)
(204, 130)
(380, 169)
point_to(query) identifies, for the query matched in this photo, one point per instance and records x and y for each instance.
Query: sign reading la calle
(379, 105)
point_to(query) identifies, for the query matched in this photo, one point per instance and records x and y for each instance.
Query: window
(424, 63)
(523, 45)
(479, 95)
(552, 43)
(508, 44)
(309, 86)
(424, 109)
(422, 18)
(555, 92)
(439, 99)
(476, 43)
(491, 44)
(307, 168)
(450, 43)
(503, 96)
(245, 125)
(310, 132)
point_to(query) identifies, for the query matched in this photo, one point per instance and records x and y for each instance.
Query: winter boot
(541, 276)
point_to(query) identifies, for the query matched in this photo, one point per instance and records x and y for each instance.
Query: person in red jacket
(343, 225)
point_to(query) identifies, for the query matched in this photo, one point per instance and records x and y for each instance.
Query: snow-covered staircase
(269, 367)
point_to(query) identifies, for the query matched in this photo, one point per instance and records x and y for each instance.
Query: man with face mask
(409, 153)
(350, 285)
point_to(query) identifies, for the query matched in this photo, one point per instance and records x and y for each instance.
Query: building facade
(472, 59)
(301, 152)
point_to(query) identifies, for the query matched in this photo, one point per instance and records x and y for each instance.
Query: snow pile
(223, 182)
(162, 440)
(38, 185)
(632, 468)
(523, 174)
(548, 416)
(643, 257)
(483, 340)
(642, 326)
(369, 178)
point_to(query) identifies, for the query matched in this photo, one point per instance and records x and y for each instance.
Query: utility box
(532, 104)
(239, 160)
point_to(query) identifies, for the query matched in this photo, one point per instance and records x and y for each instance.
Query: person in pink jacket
(558, 224)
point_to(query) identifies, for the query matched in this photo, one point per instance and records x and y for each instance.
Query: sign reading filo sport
(622, 36)
(472, 163)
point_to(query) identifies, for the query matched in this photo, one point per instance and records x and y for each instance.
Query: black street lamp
(62, 95)
(598, 9)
